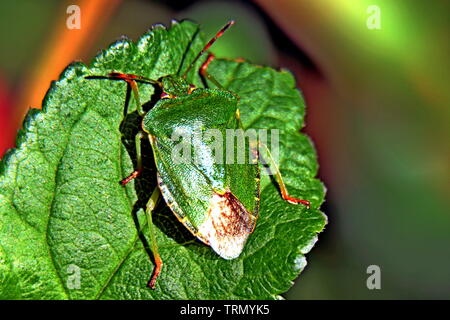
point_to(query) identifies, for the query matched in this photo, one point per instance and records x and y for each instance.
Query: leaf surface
(69, 230)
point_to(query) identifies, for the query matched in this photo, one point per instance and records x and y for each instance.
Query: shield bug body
(217, 202)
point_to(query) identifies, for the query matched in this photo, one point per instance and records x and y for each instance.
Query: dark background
(377, 110)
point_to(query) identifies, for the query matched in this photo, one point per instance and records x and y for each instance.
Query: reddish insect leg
(132, 176)
(204, 70)
(279, 178)
(131, 80)
(139, 169)
(151, 204)
(206, 74)
(210, 58)
(156, 271)
(293, 200)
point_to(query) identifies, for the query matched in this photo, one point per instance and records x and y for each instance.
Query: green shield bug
(217, 201)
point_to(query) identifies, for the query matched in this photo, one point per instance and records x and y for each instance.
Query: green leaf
(63, 212)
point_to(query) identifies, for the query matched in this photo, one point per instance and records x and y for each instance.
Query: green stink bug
(217, 202)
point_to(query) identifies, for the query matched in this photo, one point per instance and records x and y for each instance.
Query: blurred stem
(63, 46)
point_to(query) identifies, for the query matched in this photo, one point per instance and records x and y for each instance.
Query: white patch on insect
(227, 226)
(167, 195)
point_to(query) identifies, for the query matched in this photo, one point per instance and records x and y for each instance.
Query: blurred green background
(377, 109)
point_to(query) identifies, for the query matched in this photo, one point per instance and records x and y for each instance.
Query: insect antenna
(209, 44)
(125, 77)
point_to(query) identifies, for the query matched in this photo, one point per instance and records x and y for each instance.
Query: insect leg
(204, 72)
(279, 178)
(132, 81)
(138, 171)
(135, 90)
(151, 204)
